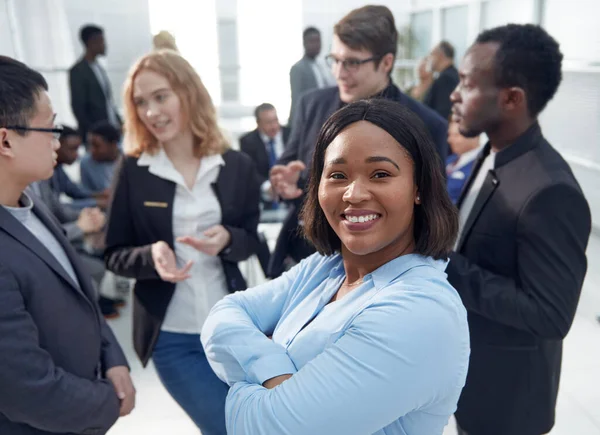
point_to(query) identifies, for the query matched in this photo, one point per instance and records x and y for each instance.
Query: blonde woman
(184, 213)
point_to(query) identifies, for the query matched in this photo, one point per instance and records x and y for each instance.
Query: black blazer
(314, 108)
(252, 144)
(88, 100)
(438, 95)
(55, 346)
(141, 213)
(519, 269)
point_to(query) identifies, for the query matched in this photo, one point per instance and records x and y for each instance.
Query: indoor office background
(243, 50)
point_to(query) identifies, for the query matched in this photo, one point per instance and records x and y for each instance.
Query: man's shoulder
(300, 64)
(249, 138)
(321, 97)
(79, 65)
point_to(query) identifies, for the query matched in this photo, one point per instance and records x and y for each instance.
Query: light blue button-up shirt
(388, 358)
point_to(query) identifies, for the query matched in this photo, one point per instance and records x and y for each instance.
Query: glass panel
(421, 24)
(455, 28)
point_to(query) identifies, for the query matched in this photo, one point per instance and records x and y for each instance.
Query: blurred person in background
(308, 73)
(524, 225)
(442, 63)
(68, 153)
(185, 211)
(266, 143)
(164, 39)
(91, 94)
(62, 370)
(460, 163)
(362, 58)
(99, 164)
(423, 82)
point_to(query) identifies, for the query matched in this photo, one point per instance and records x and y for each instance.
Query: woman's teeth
(361, 219)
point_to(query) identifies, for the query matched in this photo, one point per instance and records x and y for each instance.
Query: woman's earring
(418, 199)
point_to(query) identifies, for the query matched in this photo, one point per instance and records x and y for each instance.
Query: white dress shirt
(279, 145)
(194, 211)
(473, 193)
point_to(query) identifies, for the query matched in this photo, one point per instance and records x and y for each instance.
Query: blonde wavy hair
(196, 105)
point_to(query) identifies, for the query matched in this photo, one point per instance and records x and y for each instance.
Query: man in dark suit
(91, 94)
(308, 73)
(362, 58)
(438, 95)
(62, 370)
(265, 145)
(524, 226)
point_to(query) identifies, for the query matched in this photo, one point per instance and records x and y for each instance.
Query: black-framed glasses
(56, 131)
(350, 65)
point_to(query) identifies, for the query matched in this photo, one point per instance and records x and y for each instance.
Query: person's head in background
(363, 52)
(506, 79)
(164, 39)
(267, 121)
(311, 39)
(460, 144)
(70, 141)
(442, 56)
(376, 190)
(26, 155)
(92, 37)
(103, 140)
(167, 105)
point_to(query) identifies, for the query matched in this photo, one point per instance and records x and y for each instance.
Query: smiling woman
(365, 336)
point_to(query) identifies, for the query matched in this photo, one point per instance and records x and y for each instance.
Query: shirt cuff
(270, 366)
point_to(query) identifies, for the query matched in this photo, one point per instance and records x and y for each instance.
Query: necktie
(272, 154)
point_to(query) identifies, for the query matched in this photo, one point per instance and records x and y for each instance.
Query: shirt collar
(266, 138)
(160, 165)
(466, 158)
(400, 265)
(524, 143)
(387, 273)
(22, 213)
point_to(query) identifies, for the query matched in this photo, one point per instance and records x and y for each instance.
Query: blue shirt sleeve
(396, 357)
(235, 334)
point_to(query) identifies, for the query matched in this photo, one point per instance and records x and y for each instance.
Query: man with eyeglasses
(362, 58)
(62, 370)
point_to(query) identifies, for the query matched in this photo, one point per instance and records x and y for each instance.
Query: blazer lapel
(487, 189)
(83, 277)
(20, 233)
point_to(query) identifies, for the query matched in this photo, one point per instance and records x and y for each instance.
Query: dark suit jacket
(438, 95)
(55, 344)
(313, 110)
(302, 80)
(252, 144)
(136, 222)
(88, 100)
(519, 269)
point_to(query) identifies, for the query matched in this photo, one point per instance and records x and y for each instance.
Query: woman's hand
(216, 239)
(166, 265)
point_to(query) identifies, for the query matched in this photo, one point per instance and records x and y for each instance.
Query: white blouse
(194, 211)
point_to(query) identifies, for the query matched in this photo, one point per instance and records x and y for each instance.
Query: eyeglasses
(350, 65)
(56, 131)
